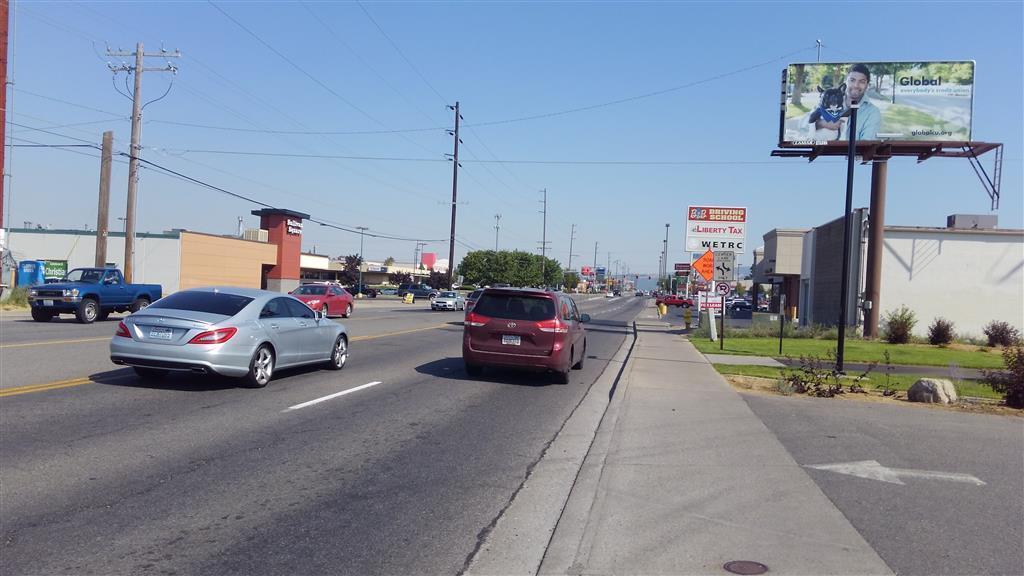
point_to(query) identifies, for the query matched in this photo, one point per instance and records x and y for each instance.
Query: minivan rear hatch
(513, 322)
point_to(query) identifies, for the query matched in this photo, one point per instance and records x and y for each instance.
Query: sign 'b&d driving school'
(722, 228)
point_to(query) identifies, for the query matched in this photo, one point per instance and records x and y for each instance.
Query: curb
(518, 539)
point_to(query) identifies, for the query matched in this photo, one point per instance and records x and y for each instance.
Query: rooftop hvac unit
(256, 234)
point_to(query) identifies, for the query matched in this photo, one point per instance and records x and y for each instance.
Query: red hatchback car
(327, 297)
(524, 328)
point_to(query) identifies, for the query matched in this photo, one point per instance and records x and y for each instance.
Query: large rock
(933, 391)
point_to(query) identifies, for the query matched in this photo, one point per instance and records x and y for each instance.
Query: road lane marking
(400, 332)
(16, 390)
(28, 389)
(872, 470)
(50, 342)
(330, 396)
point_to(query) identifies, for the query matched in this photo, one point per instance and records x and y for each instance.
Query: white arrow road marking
(872, 470)
(329, 396)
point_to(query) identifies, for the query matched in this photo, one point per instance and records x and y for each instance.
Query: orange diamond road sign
(705, 265)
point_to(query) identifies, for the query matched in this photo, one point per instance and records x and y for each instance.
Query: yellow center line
(28, 389)
(51, 342)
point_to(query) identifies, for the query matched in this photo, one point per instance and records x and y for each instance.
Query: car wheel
(474, 370)
(348, 311)
(88, 310)
(139, 304)
(339, 354)
(261, 367)
(149, 373)
(41, 315)
(579, 365)
(432, 296)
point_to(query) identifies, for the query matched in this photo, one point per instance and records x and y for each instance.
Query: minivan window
(311, 290)
(203, 301)
(515, 307)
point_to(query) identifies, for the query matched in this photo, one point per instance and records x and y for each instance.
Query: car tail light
(473, 319)
(122, 331)
(553, 325)
(218, 336)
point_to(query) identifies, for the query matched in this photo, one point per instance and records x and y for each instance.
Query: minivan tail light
(475, 320)
(122, 331)
(218, 336)
(554, 326)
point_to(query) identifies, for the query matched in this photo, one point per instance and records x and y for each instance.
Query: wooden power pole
(103, 210)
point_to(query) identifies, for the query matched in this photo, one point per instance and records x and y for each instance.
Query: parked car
(325, 298)
(674, 300)
(448, 301)
(90, 294)
(237, 332)
(524, 328)
(472, 298)
(418, 291)
(362, 289)
(741, 309)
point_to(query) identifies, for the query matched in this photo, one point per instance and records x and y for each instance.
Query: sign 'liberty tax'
(716, 228)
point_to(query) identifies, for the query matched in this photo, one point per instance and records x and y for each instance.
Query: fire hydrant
(687, 317)
(662, 310)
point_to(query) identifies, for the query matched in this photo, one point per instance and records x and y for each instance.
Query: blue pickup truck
(90, 294)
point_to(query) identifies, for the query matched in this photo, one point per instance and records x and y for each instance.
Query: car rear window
(202, 301)
(515, 307)
(310, 290)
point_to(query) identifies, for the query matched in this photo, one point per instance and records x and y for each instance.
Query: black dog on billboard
(830, 108)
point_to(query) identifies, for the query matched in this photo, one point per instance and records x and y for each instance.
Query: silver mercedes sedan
(236, 332)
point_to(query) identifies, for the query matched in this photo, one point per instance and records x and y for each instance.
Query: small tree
(437, 280)
(741, 290)
(398, 278)
(572, 280)
(1009, 382)
(899, 325)
(390, 261)
(350, 274)
(941, 332)
(1000, 333)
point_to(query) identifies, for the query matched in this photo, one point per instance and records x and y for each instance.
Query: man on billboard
(869, 118)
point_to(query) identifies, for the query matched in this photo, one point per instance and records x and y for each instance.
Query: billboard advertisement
(899, 101)
(600, 273)
(716, 228)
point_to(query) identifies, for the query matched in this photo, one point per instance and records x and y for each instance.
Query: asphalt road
(926, 526)
(194, 475)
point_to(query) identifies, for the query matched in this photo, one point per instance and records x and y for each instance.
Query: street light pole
(361, 230)
(845, 282)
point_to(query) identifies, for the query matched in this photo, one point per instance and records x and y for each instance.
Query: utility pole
(544, 237)
(455, 191)
(665, 263)
(497, 228)
(416, 255)
(103, 209)
(136, 148)
(572, 237)
(595, 257)
(4, 19)
(361, 230)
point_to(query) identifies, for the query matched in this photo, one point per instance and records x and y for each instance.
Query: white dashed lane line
(329, 397)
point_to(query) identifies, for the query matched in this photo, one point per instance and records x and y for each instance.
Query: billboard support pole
(845, 283)
(876, 228)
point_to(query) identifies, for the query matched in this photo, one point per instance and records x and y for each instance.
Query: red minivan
(524, 328)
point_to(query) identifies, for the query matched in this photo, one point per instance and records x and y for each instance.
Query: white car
(448, 301)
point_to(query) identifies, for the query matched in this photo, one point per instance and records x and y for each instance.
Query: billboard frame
(785, 85)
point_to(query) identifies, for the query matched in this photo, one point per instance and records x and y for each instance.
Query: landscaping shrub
(813, 377)
(899, 324)
(1000, 333)
(1009, 382)
(941, 332)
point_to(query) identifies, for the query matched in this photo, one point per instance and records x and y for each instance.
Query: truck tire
(41, 315)
(139, 304)
(88, 311)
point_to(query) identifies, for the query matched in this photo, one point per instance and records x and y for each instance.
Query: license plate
(47, 302)
(510, 339)
(161, 333)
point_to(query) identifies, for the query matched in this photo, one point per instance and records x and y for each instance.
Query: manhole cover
(745, 567)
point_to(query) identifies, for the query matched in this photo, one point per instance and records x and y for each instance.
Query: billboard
(899, 101)
(716, 228)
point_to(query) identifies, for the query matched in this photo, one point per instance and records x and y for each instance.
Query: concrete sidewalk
(682, 478)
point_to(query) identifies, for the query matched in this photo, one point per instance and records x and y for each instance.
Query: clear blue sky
(501, 61)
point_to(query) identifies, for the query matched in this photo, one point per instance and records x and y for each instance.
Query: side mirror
(584, 318)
